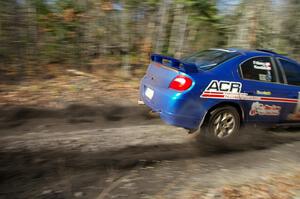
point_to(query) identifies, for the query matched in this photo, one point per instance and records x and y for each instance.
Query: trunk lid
(162, 70)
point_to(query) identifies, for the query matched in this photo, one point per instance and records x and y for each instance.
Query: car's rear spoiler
(174, 63)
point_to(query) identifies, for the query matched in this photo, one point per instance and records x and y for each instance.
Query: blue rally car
(219, 90)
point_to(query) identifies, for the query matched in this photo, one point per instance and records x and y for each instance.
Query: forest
(89, 35)
(72, 123)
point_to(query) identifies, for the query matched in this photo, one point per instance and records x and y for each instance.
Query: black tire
(222, 124)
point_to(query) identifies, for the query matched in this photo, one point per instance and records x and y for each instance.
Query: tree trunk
(125, 41)
(163, 21)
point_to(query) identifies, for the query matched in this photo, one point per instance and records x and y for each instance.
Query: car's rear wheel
(223, 123)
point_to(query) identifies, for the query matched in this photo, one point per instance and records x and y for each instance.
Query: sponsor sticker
(262, 77)
(233, 91)
(258, 92)
(224, 86)
(262, 65)
(264, 109)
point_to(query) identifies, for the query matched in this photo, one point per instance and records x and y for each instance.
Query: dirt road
(83, 152)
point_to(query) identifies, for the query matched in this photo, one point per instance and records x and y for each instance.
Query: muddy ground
(113, 151)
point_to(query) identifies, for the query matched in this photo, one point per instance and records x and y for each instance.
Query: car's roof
(257, 52)
(250, 51)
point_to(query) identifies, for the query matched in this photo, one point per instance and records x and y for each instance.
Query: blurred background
(107, 39)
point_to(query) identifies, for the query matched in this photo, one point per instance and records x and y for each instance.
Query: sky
(227, 5)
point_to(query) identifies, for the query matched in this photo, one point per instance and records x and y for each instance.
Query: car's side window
(259, 69)
(292, 72)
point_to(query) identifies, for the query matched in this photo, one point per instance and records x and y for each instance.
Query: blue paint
(187, 109)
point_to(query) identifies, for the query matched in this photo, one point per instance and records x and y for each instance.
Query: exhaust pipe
(140, 102)
(154, 113)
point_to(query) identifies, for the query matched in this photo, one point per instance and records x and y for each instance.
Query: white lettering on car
(224, 86)
(262, 65)
(233, 91)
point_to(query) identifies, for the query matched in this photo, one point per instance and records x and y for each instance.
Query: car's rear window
(208, 59)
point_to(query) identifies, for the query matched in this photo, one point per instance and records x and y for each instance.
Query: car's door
(264, 95)
(291, 74)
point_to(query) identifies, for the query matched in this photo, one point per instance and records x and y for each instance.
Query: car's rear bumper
(175, 108)
(174, 119)
(180, 120)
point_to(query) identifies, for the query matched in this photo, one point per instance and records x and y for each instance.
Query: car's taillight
(181, 83)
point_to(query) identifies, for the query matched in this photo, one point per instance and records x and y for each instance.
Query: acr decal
(224, 86)
(262, 65)
(232, 90)
(258, 92)
(264, 109)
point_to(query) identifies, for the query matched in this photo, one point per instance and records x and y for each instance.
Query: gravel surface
(135, 156)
